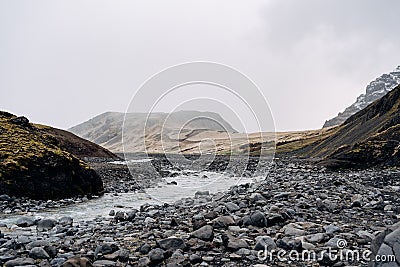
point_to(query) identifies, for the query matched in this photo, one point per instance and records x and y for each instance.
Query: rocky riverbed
(296, 208)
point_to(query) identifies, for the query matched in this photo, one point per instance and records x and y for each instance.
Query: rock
(145, 249)
(38, 253)
(274, 219)
(143, 262)
(357, 201)
(57, 261)
(25, 222)
(19, 262)
(257, 197)
(176, 258)
(66, 221)
(198, 221)
(293, 229)
(333, 242)
(5, 198)
(365, 235)
(331, 229)
(388, 208)
(223, 222)
(77, 262)
(205, 233)
(171, 244)
(123, 255)
(315, 238)
(211, 215)
(121, 216)
(194, 259)
(46, 224)
(6, 257)
(104, 263)
(289, 245)
(233, 243)
(258, 219)
(156, 255)
(37, 243)
(104, 249)
(111, 213)
(200, 194)
(232, 207)
(264, 242)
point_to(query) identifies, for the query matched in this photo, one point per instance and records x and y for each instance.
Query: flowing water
(185, 184)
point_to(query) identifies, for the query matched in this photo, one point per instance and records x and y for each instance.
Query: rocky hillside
(106, 129)
(375, 90)
(76, 145)
(34, 164)
(369, 137)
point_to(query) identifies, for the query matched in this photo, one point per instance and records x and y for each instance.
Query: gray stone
(223, 222)
(156, 255)
(171, 243)
(57, 261)
(232, 206)
(258, 219)
(104, 263)
(46, 224)
(142, 262)
(66, 221)
(264, 242)
(37, 243)
(200, 194)
(315, 238)
(331, 229)
(257, 197)
(19, 262)
(293, 230)
(195, 259)
(38, 253)
(77, 262)
(205, 233)
(233, 243)
(25, 222)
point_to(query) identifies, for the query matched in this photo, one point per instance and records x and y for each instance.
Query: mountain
(157, 129)
(369, 137)
(38, 161)
(375, 90)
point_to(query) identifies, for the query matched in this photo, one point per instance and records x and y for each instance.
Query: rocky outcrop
(369, 137)
(33, 165)
(375, 90)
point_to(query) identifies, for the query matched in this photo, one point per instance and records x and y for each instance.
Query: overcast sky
(63, 62)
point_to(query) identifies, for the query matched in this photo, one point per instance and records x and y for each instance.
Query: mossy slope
(33, 165)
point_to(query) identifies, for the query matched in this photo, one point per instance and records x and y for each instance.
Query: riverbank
(297, 207)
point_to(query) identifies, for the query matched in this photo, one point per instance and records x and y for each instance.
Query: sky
(63, 62)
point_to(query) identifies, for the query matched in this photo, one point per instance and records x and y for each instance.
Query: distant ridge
(374, 91)
(106, 128)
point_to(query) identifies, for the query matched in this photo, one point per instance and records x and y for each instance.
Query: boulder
(205, 233)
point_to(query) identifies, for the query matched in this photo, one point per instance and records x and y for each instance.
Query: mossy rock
(33, 165)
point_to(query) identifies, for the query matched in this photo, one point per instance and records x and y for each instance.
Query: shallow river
(188, 183)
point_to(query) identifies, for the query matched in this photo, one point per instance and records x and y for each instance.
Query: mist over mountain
(375, 90)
